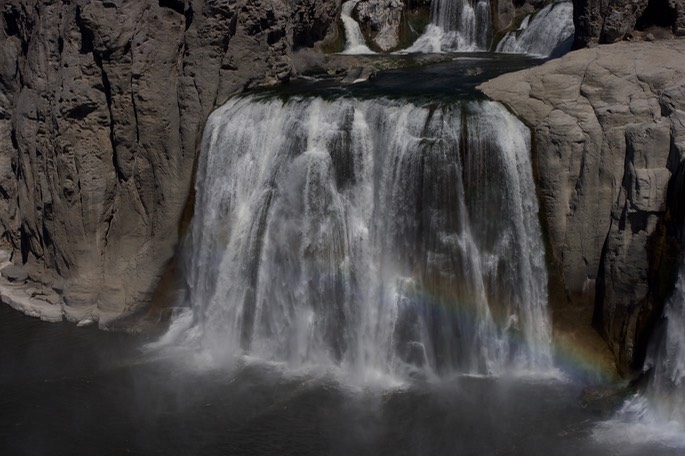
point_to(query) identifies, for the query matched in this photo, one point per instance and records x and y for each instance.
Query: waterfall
(456, 25)
(548, 34)
(658, 413)
(355, 43)
(374, 235)
(666, 391)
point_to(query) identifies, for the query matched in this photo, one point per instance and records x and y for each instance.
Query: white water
(658, 414)
(456, 25)
(368, 235)
(549, 33)
(355, 43)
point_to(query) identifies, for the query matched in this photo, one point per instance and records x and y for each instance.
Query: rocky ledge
(609, 134)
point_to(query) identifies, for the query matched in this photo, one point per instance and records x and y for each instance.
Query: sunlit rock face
(608, 126)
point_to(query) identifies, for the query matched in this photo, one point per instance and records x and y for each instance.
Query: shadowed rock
(101, 104)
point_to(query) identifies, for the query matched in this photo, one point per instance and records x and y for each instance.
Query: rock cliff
(610, 21)
(609, 133)
(101, 104)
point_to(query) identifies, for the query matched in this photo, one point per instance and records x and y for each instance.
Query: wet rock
(604, 400)
(101, 106)
(357, 75)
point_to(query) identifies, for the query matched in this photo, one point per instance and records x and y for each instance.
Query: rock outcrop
(609, 128)
(101, 105)
(611, 21)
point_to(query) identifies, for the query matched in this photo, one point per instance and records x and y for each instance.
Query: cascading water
(456, 25)
(659, 412)
(548, 34)
(355, 43)
(382, 237)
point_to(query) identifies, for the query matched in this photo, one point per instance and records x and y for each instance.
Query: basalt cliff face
(101, 104)
(609, 135)
(601, 21)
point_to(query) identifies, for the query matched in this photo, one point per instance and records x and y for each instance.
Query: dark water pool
(455, 78)
(73, 391)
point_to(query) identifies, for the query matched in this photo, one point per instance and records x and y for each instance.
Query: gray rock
(14, 273)
(101, 106)
(608, 125)
(605, 21)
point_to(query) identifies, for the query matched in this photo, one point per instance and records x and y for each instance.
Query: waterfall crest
(374, 235)
(456, 25)
(548, 34)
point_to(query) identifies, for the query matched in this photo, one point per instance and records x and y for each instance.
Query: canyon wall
(609, 133)
(609, 21)
(101, 104)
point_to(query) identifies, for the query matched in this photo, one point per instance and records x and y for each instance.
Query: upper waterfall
(548, 34)
(457, 25)
(376, 235)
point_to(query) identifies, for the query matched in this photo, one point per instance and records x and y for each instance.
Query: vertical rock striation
(610, 21)
(101, 105)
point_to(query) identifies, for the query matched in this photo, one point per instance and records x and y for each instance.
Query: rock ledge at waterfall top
(609, 129)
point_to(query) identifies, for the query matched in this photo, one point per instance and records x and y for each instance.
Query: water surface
(75, 391)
